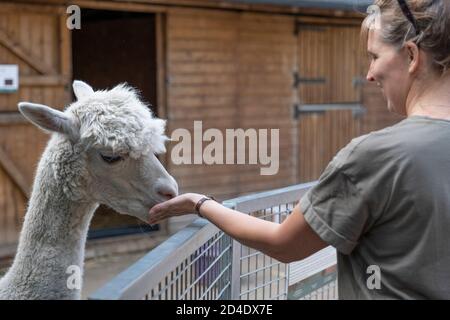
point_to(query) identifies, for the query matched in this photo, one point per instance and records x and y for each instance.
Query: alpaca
(102, 151)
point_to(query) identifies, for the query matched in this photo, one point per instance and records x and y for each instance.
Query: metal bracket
(356, 108)
(299, 110)
(299, 80)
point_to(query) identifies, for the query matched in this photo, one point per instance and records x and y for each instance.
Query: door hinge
(299, 80)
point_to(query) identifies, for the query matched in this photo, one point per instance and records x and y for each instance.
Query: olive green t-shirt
(384, 202)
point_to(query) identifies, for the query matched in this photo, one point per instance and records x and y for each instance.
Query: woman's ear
(413, 52)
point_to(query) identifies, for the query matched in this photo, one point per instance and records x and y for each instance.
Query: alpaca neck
(52, 239)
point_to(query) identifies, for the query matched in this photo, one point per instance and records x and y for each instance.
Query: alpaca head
(104, 148)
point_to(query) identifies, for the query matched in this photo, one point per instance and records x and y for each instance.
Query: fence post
(236, 271)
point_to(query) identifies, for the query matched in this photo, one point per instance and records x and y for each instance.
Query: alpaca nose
(167, 194)
(166, 188)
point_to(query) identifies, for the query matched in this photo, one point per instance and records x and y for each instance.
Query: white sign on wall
(9, 77)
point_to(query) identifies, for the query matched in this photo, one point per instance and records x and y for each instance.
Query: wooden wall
(231, 70)
(329, 62)
(36, 41)
(267, 47)
(235, 70)
(201, 85)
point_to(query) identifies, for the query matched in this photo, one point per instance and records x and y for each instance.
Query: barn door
(36, 40)
(328, 109)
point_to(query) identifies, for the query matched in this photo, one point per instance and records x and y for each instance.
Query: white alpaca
(102, 151)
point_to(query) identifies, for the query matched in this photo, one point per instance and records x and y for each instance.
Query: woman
(384, 199)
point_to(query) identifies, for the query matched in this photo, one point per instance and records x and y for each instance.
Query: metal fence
(201, 262)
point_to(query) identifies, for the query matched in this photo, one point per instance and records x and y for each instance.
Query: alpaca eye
(111, 159)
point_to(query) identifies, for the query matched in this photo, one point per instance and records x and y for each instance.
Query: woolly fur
(60, 210)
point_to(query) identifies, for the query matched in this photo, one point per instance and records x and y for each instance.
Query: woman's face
(389, 68)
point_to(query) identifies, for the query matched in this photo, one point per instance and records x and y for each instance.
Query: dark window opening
(110, 48)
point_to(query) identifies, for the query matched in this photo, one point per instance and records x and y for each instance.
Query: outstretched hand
(178, 206)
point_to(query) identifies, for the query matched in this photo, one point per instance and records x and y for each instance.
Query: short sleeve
(336, 207)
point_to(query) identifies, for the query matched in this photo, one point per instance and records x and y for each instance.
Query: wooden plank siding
(201, 45)
(235, 70)
(322, 136)
(329, 58)
(12, 209)
(231, 66)
(266, 59)
(231, 70)
(36, 35)
(38, 43)
(330, 53)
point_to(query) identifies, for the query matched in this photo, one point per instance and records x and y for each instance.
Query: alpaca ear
(81, 89)
(47, 118)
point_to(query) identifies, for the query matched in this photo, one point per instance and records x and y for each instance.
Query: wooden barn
(292, 65)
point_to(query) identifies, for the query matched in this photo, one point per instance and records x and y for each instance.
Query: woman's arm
(290, 241)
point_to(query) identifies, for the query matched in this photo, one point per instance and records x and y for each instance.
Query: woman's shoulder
(376, 147)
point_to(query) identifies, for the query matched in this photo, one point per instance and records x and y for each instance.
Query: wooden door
(37, 40)
(328, 111)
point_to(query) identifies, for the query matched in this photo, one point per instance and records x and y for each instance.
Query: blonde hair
(433, 21)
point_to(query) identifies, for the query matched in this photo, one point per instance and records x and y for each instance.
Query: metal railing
(201, 262)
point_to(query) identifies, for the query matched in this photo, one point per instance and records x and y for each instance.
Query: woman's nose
(370, 77)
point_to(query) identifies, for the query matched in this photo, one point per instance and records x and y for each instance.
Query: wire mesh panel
(195, 263)
(262, 277)
(204, 274)
(319, 287)
(314, 278)
(201, 262)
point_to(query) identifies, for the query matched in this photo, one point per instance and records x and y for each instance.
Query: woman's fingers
(182, 204)
(157, 212)
(153, 216)
(165, 210)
